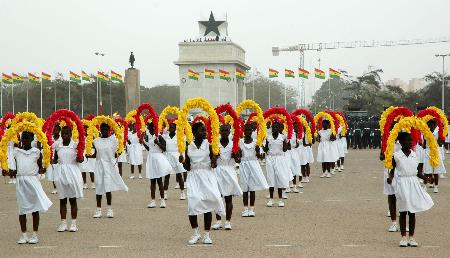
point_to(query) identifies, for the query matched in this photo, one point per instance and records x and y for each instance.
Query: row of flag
(302, 73)
(73, 77)
(211, 74)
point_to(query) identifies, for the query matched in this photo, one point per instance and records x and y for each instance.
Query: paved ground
(339, 217)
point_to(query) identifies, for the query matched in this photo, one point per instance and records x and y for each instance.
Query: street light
(443, 78)
(101, 103)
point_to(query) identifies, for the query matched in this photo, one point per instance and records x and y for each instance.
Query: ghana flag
(209, 74)
(46, 77)
(115, 77)
(302, 73)
(7, 79)
(102, 76)
(73, 77)
(288, 73)
(224, 75)
(17, 78)
(193, 75)
(240, 75)
(273, 73)
(85, 76)
(33, 78)
(319, 73)
(335, 74)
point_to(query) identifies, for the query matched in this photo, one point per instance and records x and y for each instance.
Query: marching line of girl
(210, 176)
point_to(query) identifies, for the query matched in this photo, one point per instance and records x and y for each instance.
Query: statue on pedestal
(131, 60)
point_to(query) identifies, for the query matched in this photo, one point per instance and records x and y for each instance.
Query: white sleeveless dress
(327, 151)
(173, 155)
(134, 150)
(427, 168)
(389, 189)
(49, 174)
(67, 175)
(226, 173)
(292, 156)
(277, 165)
(157, 165)
(251, 175)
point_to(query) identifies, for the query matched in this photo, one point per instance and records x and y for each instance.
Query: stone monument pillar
(132, 89)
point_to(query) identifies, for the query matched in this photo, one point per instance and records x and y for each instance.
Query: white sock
(74, 221)
(245, 208)
(109, 207)
(196, 231)
(207, 233)
(24, 234)
(64, 221)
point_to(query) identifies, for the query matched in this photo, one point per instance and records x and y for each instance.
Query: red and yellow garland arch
(262, 130)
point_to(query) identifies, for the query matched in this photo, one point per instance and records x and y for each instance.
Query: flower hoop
(307, 114)
(206, 106)
(207, 123)
(383, 117)
(124, 127)
(151, 113)
(262, 130)
(26, 116)
(407, 123)
(97, 121)
(171, 110)
(295, 119)
(308, 130)
(24, 126)
(441, 120)
(328, 117)
(389, 119)
(342, 123)
(233, 119)
(7, 117)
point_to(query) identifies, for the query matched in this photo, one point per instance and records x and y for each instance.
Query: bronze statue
(131, 60)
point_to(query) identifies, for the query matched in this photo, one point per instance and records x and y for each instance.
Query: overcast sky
(62, 35)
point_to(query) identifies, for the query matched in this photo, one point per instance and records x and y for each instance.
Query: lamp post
(99, 85)
(443, 79)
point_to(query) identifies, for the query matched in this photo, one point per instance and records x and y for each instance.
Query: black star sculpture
(211, 25)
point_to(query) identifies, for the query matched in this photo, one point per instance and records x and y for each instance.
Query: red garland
(296, 120)
(63, 114)
(249, 119)
(404, 111)
(436, 115)
(151, 113)
(207, 123)
(343, 117)
(281, 111)
(236, 124)
(122, 121)
(5, 118)
(309, 117)
(90, 117)
(336, 121)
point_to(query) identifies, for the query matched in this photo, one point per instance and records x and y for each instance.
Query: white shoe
(447, 152)
(166, 195)
(140, 176)
(307, 180)
(267, 196)
(110, 213)
(403, 242)
(85, 186)
(14, 181)
(131, 177)
(98, 213)
(207, 240)
(323, 175)
(62, 227)
(299, 186)
(23, 239)
(245, 213)
(217, 225)
(10, 182)
(182, 196)
(288, 190)
(152, 204)
(328, 175)
(93, 186)
(54, 191)
(269, 203)
(339, 169)
(303, 180)
(177, 186)
(162, 204)
(194, 239)
(435, 189)
(280, 203)
(442, 176)
(295, 190)
(227, 225)
(342, 167)
(333, 172)
(388, 214)
(73, 227)
(251, 213)
(412, 242)
(33, 239)
(394, 228)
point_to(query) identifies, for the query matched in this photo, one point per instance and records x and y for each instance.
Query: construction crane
(301, 48)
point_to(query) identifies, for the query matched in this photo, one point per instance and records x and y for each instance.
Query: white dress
(277, 166)
(173, 155)
(251, 175)
(157, 165)
(49, 173)
(67, 175)
(134, 150)
(107, 177)
(340, 140)
(10, 154)
(203, 194)
(226, 173)
(327, 151)
(389, 189)
(30, 195)
(123, 157)
(410, 195)
(292, 156)
(427, 169)
(309, 152)
(88, 164)
(447, 139)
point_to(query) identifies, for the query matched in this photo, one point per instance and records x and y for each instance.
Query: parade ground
(343, 216)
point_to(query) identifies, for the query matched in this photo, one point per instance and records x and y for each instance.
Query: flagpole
(97, 93)
(12, 94)
(329, 89)
(27, 94)
(1, 98)
(69, 91)
(41, 98)
(82, 99)
(100, 96)
(55, 96)
(285, 92)
(269, 96)
(110, 98)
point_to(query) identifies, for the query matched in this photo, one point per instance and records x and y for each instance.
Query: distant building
(413, 85)
(416, 84)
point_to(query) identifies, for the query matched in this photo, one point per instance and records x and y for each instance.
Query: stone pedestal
(132, 89)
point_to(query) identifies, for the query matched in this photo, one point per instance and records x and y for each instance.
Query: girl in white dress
(157, 165)
(11, 161)
(411, 197)
(277, 165)
(340, 140)
(203, 195)
(306, 157)
(326, 152)
(122, 159)
(107, 178)
(50, 170)
(293, 156)
(134, 149)
(172, 156)
(226, 176)
(68, 178)
(251, 175)
(87, 166)
(31, 198)
(433, 173)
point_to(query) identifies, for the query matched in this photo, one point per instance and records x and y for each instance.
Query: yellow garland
(229, 120)
(92, 133)
(104, 120)
(325, 116)
(307, 128)
(129, 118)
(406, 124)
(25, 116)
(180, 126)
(384, 116)
(342, 124)
(262, 131)
(443, 119)
(206, 106)
(13, 131)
